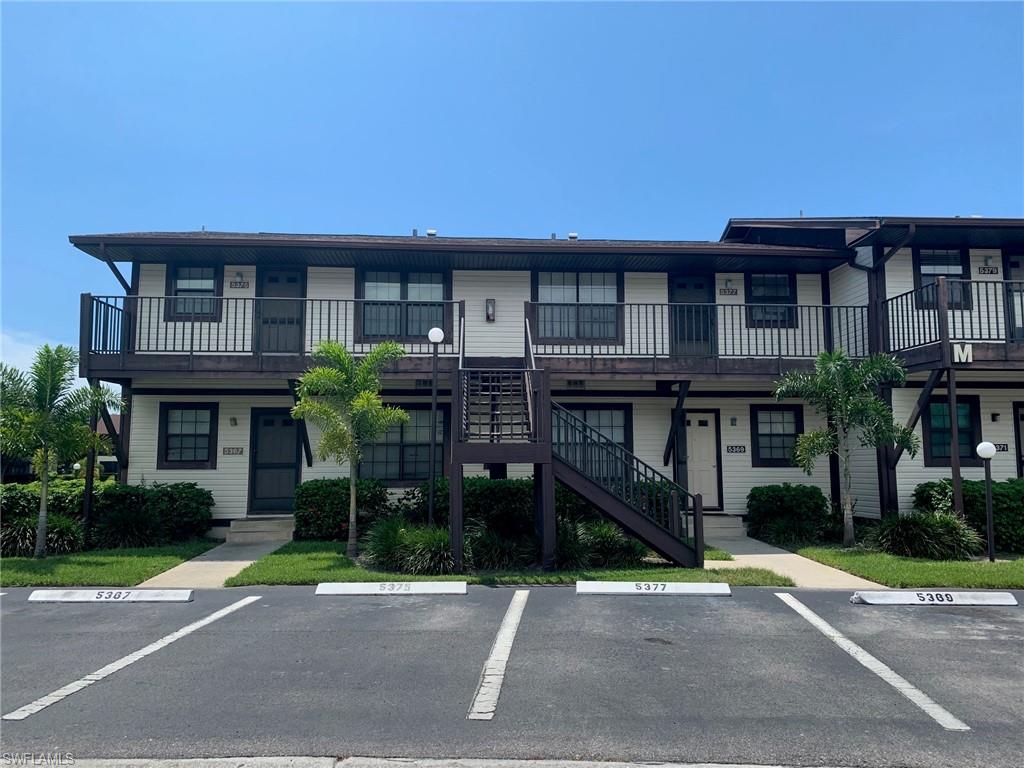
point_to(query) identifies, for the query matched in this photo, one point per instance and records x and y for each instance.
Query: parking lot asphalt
(741, 679)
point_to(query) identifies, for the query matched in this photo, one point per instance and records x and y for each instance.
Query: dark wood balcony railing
(955, 311)
(696, 330)
(151, 325)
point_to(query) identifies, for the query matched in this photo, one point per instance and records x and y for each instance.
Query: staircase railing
(627, 477)
(495, 405)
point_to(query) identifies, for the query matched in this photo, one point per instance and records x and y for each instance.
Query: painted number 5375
(395, 586)
(650, 586)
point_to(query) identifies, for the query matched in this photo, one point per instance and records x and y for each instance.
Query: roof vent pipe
(415, 232)
(573, 235)
(554, 236)
(431, 233)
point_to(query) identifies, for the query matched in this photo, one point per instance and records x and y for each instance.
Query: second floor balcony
(977, 322)
(129, 335)
(134, 334)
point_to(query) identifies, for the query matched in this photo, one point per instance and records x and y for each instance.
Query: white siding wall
(983, 322)
(645, 329)
(735, 339)
(651, 421)
(848, 288)
(327, 319)
(911, 471)
(511, 291)
(232, 335)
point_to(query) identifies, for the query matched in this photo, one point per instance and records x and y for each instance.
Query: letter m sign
(963, 353)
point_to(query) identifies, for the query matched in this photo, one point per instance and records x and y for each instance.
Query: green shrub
(493, 552)
(184, 509)
(321, 507)
(606, 546)
(395, 544)
(124, 517)
(18, 500)
(18, 535)
(382, 545)
(1007, 507)
(64, 535)
(427, 550)
(787, 514)
(570, 549)
(932, 535)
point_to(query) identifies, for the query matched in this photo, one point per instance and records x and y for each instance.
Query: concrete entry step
(724, 525)
(253, 530)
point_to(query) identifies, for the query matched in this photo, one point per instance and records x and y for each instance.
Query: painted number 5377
(650, 586)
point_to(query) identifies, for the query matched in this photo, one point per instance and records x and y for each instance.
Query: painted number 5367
(109, 594)
(650, 586)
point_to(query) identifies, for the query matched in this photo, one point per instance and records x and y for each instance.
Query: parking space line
(99, 674)
(485, 702)
(937, 713)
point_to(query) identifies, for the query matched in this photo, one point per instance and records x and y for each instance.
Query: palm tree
(43, 417)
(845, 392)
(341, 396)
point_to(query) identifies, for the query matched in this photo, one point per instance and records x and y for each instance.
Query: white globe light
(77, 466)
(435, 335)
(986, 450)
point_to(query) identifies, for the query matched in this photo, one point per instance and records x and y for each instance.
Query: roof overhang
(972, 232)
(453, 253)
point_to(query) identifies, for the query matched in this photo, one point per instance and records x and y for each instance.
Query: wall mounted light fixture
(489, 310)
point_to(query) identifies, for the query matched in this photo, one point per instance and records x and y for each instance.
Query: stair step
(254, 529)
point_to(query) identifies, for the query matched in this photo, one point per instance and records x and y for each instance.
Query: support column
(954, 439)
(90, 470)
(125, 436)
(455, 514)
(544, 498)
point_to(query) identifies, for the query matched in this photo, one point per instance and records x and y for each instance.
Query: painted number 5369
(650, 586)
(934, 597)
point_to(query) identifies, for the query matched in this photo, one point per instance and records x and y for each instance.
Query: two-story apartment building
(638, 373)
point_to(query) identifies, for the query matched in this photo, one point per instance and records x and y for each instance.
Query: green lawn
(713, 553)
(894, 571)
(98, 568)
(311, 562)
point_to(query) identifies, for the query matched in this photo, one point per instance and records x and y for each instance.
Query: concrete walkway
(211, 568)
(751, 553)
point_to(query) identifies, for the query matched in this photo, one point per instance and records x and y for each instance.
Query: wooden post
(455, 514)
(675, 523)
(125, 436)
(954, 440)
(90, 469)
(84, 334)
(544, 494)
(698, 529)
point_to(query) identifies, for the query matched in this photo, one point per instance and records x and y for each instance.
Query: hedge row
(122, 516)
(1007, 508)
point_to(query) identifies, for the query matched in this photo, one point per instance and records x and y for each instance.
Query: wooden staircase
(507, 416)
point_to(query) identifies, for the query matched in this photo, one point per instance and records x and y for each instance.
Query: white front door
(702, 456)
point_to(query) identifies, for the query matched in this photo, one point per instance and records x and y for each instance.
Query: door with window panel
(281, 311)
(577, 306)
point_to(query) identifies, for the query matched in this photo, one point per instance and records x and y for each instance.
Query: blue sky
(633, 121)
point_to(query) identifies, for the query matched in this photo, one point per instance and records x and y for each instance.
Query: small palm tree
(845, 392)
(341, 396)
(43, 417)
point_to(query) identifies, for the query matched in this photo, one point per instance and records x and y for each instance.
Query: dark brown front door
(694, 330)
(273, 461)
(280, 316)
